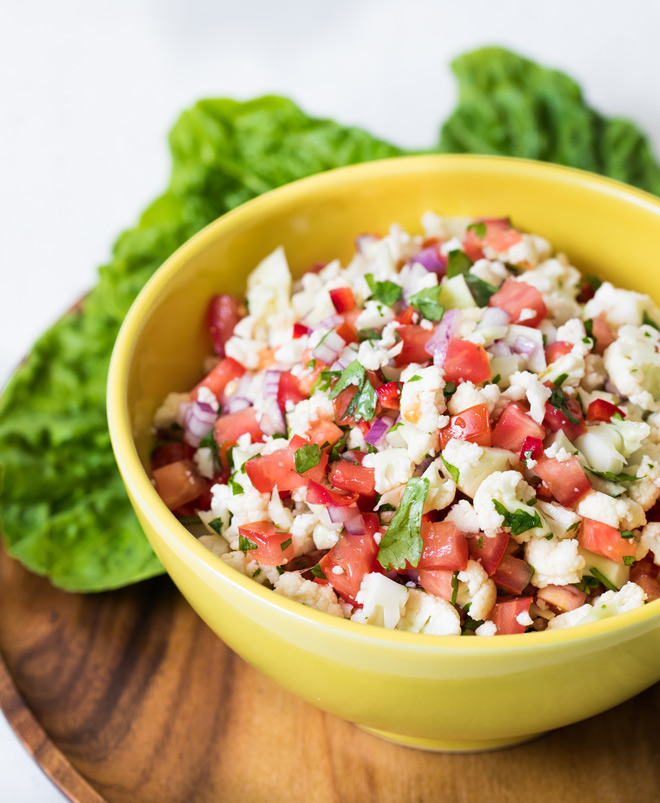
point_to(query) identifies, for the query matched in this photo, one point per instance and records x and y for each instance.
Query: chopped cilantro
(427, 303)
(311, 363)
(559, 381)
(286, 544)
(317, 571)
(386, 292)
(307, 457)
(449, 389)
(573, 526)
(478, 228)
(628, 560)
(244, 544)
(589, 328)
(362, 406)
(209, 442)
(458, 262)
(481, 291)
(610, 476)
(337, 449)
(602, 579)
(559, 401)
(403, 538)
(216, 524)
(617, 417)
(369, 334)
(415, 378)
(587, 583)
(649, 321)
(470, 625)
(257, 573)
(519, 521)
(353, 374)
(627, 534)
(480, 542)
(454, 472)
(280, 569)
(496, 379)
(593, 281)
(454, 588)
(236, 487)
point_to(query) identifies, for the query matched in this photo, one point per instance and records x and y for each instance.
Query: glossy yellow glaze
(452, 693)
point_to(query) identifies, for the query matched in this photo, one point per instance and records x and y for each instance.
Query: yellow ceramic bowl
(448, 693)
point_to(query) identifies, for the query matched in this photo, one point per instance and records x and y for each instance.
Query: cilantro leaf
(458, 262)
(559, 401)
(587, 583)
(209, 442)
(286, 544)
(353, 374)
(369, 334)
(403, 539)
(244, 544)
(317, 571)
(628, 560)
(594, 281)
(449, 389)
(454, 588)
(388, 293)
(589, 328)
(307, 457)
(649, 321)
(427, 303)
(519, 521)
(478, 228)
(363, 404)
(216, 524)
(236, 488)
(481, 291)
(455, 473)
(337, 449)
(602, 579)
(610, 476)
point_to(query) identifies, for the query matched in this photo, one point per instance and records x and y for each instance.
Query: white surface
(89, 90)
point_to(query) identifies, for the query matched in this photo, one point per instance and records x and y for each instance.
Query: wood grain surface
(128, 697)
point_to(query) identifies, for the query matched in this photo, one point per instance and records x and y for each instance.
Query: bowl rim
(179, 538)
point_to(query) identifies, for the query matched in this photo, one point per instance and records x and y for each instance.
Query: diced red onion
(235, 404)
(327, 323)
(198, 422)
(329, 348)
(524, 345)
(431, 259)
(380, 428)
(272, 421)
(352, 456)
(344, 360)
(494, 316)
(340, 514)
(355, 526)
(437, 344)
(500, 349)
(610, 387)
(271, 383)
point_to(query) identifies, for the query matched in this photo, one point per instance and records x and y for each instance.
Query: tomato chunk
(299, 329)
(513, 574)
(645, 574)
(514, 426)
(532, 447)
(389, 395)
(566, 481)
(445, 547)
(229, 428)
(438, 582)
(555, 419)
(319, 495)
(273, 548)
(505, 615)
(471, 425)
(502, 240)
(222, 315)
(414, 339)
(595, 536)
(343, 299)
(601, 410)
(557, 350)
(279, 469)
(356, 555)
(489, 551)
(218, 378)
(323, 431)
(178, 483)
(289, 390)
(562, 598)
(517, 298)
(602, 332)
(354, 478)
(466, 362)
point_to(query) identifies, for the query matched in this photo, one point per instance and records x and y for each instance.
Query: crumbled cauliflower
(215, 543)
(610, 603)
(510, 490)
(422, 399)
(467, 395)
(426, 613)
(624, 514)
(168, 413)
(633, 364)
(464, 517)
(491, 271)
(476, 588)
(374, 315)
(554, 562)
(474, 463)
(321, 597)
(442, 490)
(621, 307)
(524, 384)
(392, 467)
(650, 541)
(383, 601)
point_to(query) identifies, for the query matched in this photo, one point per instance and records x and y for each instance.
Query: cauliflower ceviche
(456, 433)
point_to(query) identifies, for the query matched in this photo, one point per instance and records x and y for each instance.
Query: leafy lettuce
(64, 510)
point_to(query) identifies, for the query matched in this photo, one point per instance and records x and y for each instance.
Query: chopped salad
(455, 433)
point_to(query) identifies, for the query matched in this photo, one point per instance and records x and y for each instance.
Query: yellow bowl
(445, 693)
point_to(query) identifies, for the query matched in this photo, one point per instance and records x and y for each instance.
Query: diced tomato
(389, 395)
(414, 339)
(340, 405)
(471, 425)
(347, 332)
(279, 468)
(489, 551)
(288, 389)
(406, 316)
(595, 536)
(354, 478)
(307, 381)
(513, 574)
(513, 427)
(437, 581)
(319, 495)
(323, 431)
(501, 241)
(178, 483)
(566, 481)
(229, 428)
(299, 330)
(555, 419)
(171, 453)
(357, 555)
(274, 548)
(557, 350)
(601, 410)
(222, 315)
(445, 547)
(562, 598)
(532, 447)
(218, 379)
(472, 246)
(645, 574)
(602, 332)
(465, 362)
(514, 297)
(505, 615)
(342, 298)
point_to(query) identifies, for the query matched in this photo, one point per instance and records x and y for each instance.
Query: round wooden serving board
(128, 697)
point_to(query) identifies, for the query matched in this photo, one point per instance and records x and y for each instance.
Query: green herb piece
(369, 334)
(353, 374)
(325, 380)
(362, 406)
(610, 476)
(209, 442)
(478, 228)
(386, 508)
(280, 570)
(602, 579)
(454, 588)
(559, 381)
(317, 571)
(628, 560)
(627, 534)
(481, 291)
(216, 524)
(519, 521)
(649, 321)
(458, 262)
(427, 303)
(388, 293)
(337, 449)
(496, 379)
(573, 526)
(236, 488)
(587, 584)
(589, 328)
(594, 281)
(559, 401)
(245, 545)
(480, 542)
(449, 389)
(307, 457)
(286, 544)
(415, 378)
(470, 625)
(310, 363)
(403, 538)
(453, 471)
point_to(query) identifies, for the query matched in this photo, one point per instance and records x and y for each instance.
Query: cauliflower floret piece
(535, 361)
(473, 463)
(422, 399)
(620, 306)
(308, 410)
(521, 253)
(372, 356)
(491, 271)
(215, 544)
(246, 351)
(321, 597)
(312, 303)
(269, 286)
(595, 374)
(301, 531)
(610, 603)
(488, 628)
(562, 522)
(374, 315)
(559, 284)
(415, 278)
(203, 459)
(464, 517)
(441, 491)
(428, 614)
(383, 601)
(633, 364)
(525, 384)
(554, 562)
(650, 541)
(467, 395)
(168, 412)
(392, 467)
(324, 537)
(570, 366)
(510, 490)
(622, 513)
(419, 443)
(245, 508)
(476, 588)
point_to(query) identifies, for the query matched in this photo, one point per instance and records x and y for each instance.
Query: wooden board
(128, 697)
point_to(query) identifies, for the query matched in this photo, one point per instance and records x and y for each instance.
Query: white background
(88, 91)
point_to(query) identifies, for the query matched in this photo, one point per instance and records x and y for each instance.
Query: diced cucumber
(456, 294)
(470, 477)
(617, 573)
